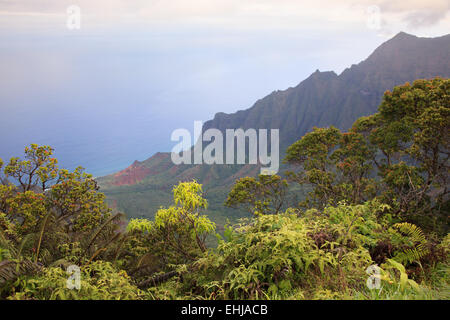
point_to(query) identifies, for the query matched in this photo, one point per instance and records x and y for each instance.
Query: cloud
(417, 13)
(233, 14)
(417, 19)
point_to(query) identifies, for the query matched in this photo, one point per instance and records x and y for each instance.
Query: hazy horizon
(112, 91)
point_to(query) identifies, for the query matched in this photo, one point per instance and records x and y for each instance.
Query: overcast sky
(142, 68)
(197, 47)
(236, 14)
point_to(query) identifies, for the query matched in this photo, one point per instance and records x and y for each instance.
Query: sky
(112, 91)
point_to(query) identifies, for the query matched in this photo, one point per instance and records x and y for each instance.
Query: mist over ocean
(103, 145)
(105, 99)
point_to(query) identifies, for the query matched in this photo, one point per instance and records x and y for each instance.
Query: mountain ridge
(322, 99)
(357, 77)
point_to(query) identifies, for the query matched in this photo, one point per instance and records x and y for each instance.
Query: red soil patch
(131, 175)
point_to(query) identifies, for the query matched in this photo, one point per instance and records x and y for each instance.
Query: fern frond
(103, 226)
(411, 230)
(96, 253)
(119, 247)
(23, 243)
(6, 244)
(61, 263)
(11, 270)
(158, 279)
(41, 235)
(147, 265)
(418, 238)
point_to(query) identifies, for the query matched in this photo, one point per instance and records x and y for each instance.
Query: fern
(417, 237)
(158, 279)
(14, 267)
(7, 246)
(41, 235)
(11, 270)
(146, 265)
(109, 221)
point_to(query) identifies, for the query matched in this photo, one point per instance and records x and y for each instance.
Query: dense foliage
(374, 226)
(399, 155)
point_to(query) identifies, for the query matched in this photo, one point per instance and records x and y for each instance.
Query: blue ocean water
(103, 100)
(101, 145)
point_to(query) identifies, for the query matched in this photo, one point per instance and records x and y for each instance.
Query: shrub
(99, 281)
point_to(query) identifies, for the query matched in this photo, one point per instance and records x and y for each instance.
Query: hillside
(326, 98)
(321, 100)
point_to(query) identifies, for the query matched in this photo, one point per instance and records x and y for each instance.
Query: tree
(185, 217)
(411, 133)
(264, 195)
(178, 233)
(335, 165)
(51, 208)
(37, 170)
(407, 143)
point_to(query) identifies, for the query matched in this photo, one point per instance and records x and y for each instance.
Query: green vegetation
(264, 195)
(373, 226)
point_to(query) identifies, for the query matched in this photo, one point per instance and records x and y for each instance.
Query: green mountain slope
(321, 100)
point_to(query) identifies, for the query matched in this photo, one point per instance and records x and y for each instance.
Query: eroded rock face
(131, 175)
